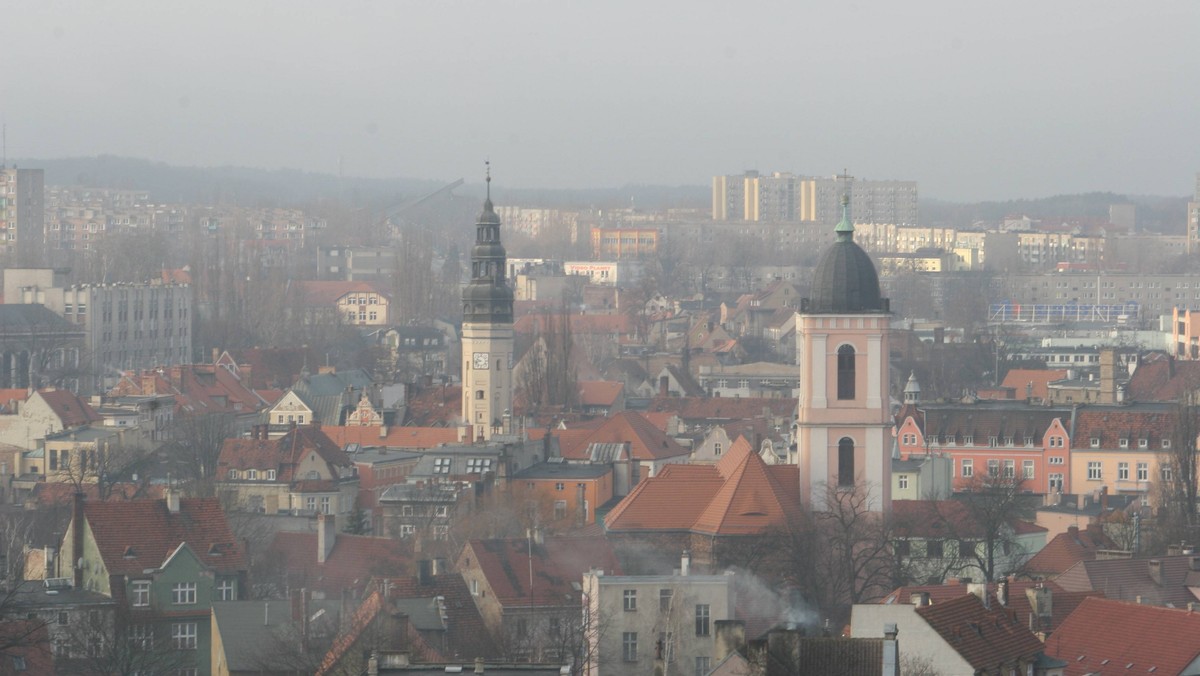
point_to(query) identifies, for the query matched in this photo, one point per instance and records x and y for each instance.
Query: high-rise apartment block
(23, 213)
(787, 197)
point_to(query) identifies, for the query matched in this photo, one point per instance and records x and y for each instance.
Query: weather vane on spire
(487, 170)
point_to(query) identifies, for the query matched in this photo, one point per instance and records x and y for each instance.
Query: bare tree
(1179, 465)
(979, 524)
(104, 466)
(546, 375)
(122, 643)
(198, 439)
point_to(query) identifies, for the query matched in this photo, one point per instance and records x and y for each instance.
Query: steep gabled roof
(283, 454)
(1063, 603)
(465, 630)
(556, 566)
(1106, 636)
(1163, 378)
(752, 498)
(984, 637)
(1032, 382)
(1066, 549)
(137, 535)
(599, 392)
(740, 495)
(69, 408)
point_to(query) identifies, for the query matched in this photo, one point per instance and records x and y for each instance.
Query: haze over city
(1016, 99)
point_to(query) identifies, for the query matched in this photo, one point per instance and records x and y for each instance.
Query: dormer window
(1123, 442)
(1094, 442)
(233, 475)
(1166, 443)
(1143, 443)
(969, 440)
(991, 441)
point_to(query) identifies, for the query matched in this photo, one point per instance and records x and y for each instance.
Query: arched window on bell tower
(845, 372)
(845, 462)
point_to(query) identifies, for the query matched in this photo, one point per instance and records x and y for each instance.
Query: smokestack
(1002, 592)
(326, 536)
(730, 638)
(1108, 380)
(77, 539)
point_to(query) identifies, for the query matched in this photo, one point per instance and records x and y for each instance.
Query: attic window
(1143, 443)
(1166, 443)
(1094, 442)
(130, 552)
(1123, 442)
(214, 549)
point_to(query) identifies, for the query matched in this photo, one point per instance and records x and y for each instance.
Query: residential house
(600, 397)
(534, 616)
(1010, 440)
(650, 448)
(330, 564)
(922, 477)
(329, 397)
(1161, 581)
(199, 390)
(44, 412)
(351, 303)
(167, 561)
(566, 495)
(1042, 606)
(378, 468)
(1110, 636)
(301, 471)
(1123, 448)
(649, 620)
(1067, 549)
(713, 511)
(275, 637)
(74, 618)
(962, 635)
(422, 511)
(936, 539)
(763, 380)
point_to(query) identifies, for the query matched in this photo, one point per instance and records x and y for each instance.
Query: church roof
(844, 280)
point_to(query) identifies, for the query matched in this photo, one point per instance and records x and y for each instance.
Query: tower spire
(487, 170)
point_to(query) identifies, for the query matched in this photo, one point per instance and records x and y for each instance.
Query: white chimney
(171, 495)
(326, 536)
(685, 563)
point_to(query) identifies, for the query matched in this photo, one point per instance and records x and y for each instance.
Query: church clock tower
(487, 333)
(844, 417)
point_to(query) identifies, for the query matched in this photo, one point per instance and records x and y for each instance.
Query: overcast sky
(974, 100)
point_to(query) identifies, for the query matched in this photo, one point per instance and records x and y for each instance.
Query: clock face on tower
(481, 360)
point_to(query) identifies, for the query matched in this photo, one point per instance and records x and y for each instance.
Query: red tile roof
(150, 533)
(396, 437)
(599, 392)
(556, 566)
(1127, 579)
(351, 564)
(1163, 378)
(328, 292)
(984, 637)
(739, 495)
(1110, 424)
(1066, 549)
(283, 455)
(1032, 382)
(433, 405)
(1104, 636)
(1063, 603)
(646, 442)
(72, 410)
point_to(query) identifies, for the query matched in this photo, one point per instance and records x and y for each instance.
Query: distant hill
(1154, 213)
(283, 187)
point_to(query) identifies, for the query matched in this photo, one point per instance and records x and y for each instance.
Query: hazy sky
(975, 100)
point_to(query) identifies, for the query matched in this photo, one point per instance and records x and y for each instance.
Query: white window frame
(183, 594)
(184, 635)
(140, 591)
(1095, 470)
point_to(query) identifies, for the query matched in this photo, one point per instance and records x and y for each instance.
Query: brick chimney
(1108, 380)
(171, 495)
(730, 638)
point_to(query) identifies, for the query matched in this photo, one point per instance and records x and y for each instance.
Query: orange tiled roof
(1163, 378)
(1110, 424)
(740, 495)
(283, 454)
(646, 442)
(396, 437)
(1063, 603)
(149, 533)
(72, 410)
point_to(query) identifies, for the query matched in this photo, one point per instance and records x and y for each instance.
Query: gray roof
(249, 627)
(844, 281)
(34, 594)
(423, 613)
(30, 318)
(562, 470)
(330, 394)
